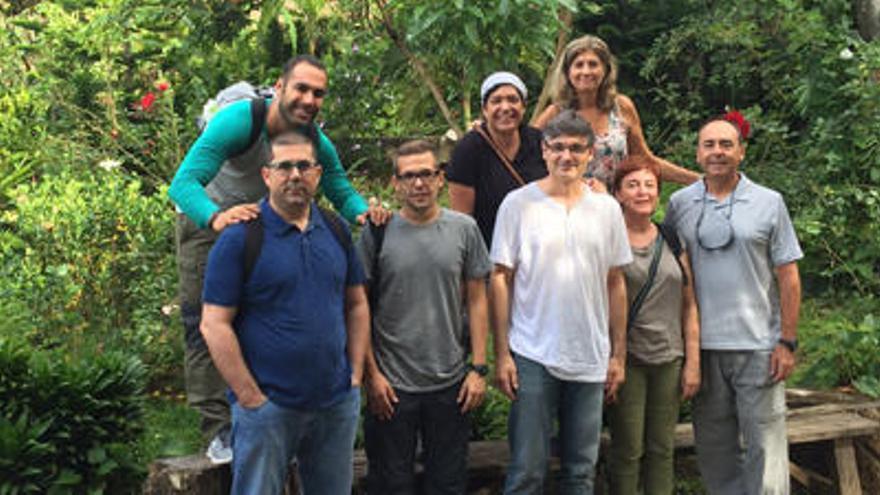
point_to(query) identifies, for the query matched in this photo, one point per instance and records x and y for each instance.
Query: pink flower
(736, 118)
(163, 86)
(147, 101)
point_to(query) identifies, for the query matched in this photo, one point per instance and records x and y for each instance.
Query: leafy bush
(812, 93)
(89, 260)
(68, 426)
(840, 346)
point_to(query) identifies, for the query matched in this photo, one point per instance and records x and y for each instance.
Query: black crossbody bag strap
(643, 292)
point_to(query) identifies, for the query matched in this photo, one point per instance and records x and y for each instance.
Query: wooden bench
(837, 423)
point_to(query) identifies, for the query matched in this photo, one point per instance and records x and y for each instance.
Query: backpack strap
(253, 244)
(253, 238)
(643, 291)
(378, 234)
(670, 236)
(501, 156)
(258, 120)
(338, 228)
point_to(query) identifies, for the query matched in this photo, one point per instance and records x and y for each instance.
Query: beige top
(656, 335)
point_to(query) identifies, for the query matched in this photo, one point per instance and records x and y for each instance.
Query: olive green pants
(205, 388)
(643, 430)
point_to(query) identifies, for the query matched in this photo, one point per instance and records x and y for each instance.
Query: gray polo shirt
(736, 286)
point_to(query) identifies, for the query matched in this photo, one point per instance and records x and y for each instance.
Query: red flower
(163, 86)
(736, 118)
(147, 101)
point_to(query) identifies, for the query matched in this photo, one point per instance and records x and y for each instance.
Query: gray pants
(739, 425)
(205, 388)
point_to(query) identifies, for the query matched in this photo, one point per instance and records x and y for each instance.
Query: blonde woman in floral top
(586, 81)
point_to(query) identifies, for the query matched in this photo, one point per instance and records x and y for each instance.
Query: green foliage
(89, 257)
(812, 94)
(171, 429)
(67, 426)
(840, 346)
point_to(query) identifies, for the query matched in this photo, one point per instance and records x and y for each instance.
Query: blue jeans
(391, 444)
(266, 439)
(739, 425)
(541, 399)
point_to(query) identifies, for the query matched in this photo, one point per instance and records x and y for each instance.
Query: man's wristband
(790, 344)
(480, 369)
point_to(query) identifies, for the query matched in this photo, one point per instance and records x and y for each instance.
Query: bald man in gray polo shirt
(743, 250)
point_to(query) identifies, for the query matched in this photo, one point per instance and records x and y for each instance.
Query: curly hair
(564, 94)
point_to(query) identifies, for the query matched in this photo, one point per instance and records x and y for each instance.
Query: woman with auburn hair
(585, 80)
(662, 340)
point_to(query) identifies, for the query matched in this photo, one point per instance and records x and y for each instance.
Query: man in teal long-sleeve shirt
(219, 184)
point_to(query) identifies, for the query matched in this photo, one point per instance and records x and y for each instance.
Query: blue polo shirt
(291, 318)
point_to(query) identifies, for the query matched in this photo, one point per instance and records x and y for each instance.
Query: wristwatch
(791, 344)
(480, 369)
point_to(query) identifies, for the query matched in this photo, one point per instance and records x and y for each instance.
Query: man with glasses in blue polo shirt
(287, 324)
(744, 253)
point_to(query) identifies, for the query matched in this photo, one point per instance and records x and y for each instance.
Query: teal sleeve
(226, 135)
(335, 183)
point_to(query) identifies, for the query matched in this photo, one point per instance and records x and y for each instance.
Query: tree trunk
(867, 14)
(565, 20)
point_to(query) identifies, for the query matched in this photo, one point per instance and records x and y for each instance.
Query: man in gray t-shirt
(417, 375)
(744, 252)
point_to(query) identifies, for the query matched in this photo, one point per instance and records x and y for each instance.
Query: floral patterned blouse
(609, 149)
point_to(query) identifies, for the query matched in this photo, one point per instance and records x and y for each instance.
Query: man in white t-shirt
(557, 292)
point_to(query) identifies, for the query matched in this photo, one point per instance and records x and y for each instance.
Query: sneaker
(220, 448)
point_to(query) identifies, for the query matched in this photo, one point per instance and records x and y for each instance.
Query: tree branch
(418, 66)
(565, 21)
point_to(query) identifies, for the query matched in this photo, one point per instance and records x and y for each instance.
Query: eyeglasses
(717, 233)
(575, 149)
(410, 177)
(287, 166)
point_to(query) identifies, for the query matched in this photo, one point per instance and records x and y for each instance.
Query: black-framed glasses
(717, 232)
(575, 149)
(410, 177)
(286, 166)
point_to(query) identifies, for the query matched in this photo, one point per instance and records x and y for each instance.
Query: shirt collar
(742, 191)
(272, 220)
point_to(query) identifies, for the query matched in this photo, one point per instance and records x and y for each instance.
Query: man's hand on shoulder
(381, 398)
(377, 213)
(236, 214)
(505, 373)
(781, 363)
(472, 391)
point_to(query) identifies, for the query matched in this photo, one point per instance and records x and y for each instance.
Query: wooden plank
(847, 470)
(830, 427)
(810, 479)
(805, 429)
(832, 408)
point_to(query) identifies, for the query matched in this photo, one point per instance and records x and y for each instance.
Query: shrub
(68, 426)
(840, 346)
(88, 257)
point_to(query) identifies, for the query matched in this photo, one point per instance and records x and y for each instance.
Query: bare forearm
(671, 172)
(499, 302)
(226, 353)
(478, 319)
(690, 327)
(358, 325)
(789, 283)
(617, 313)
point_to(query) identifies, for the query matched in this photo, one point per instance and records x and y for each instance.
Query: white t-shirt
(561, 258)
